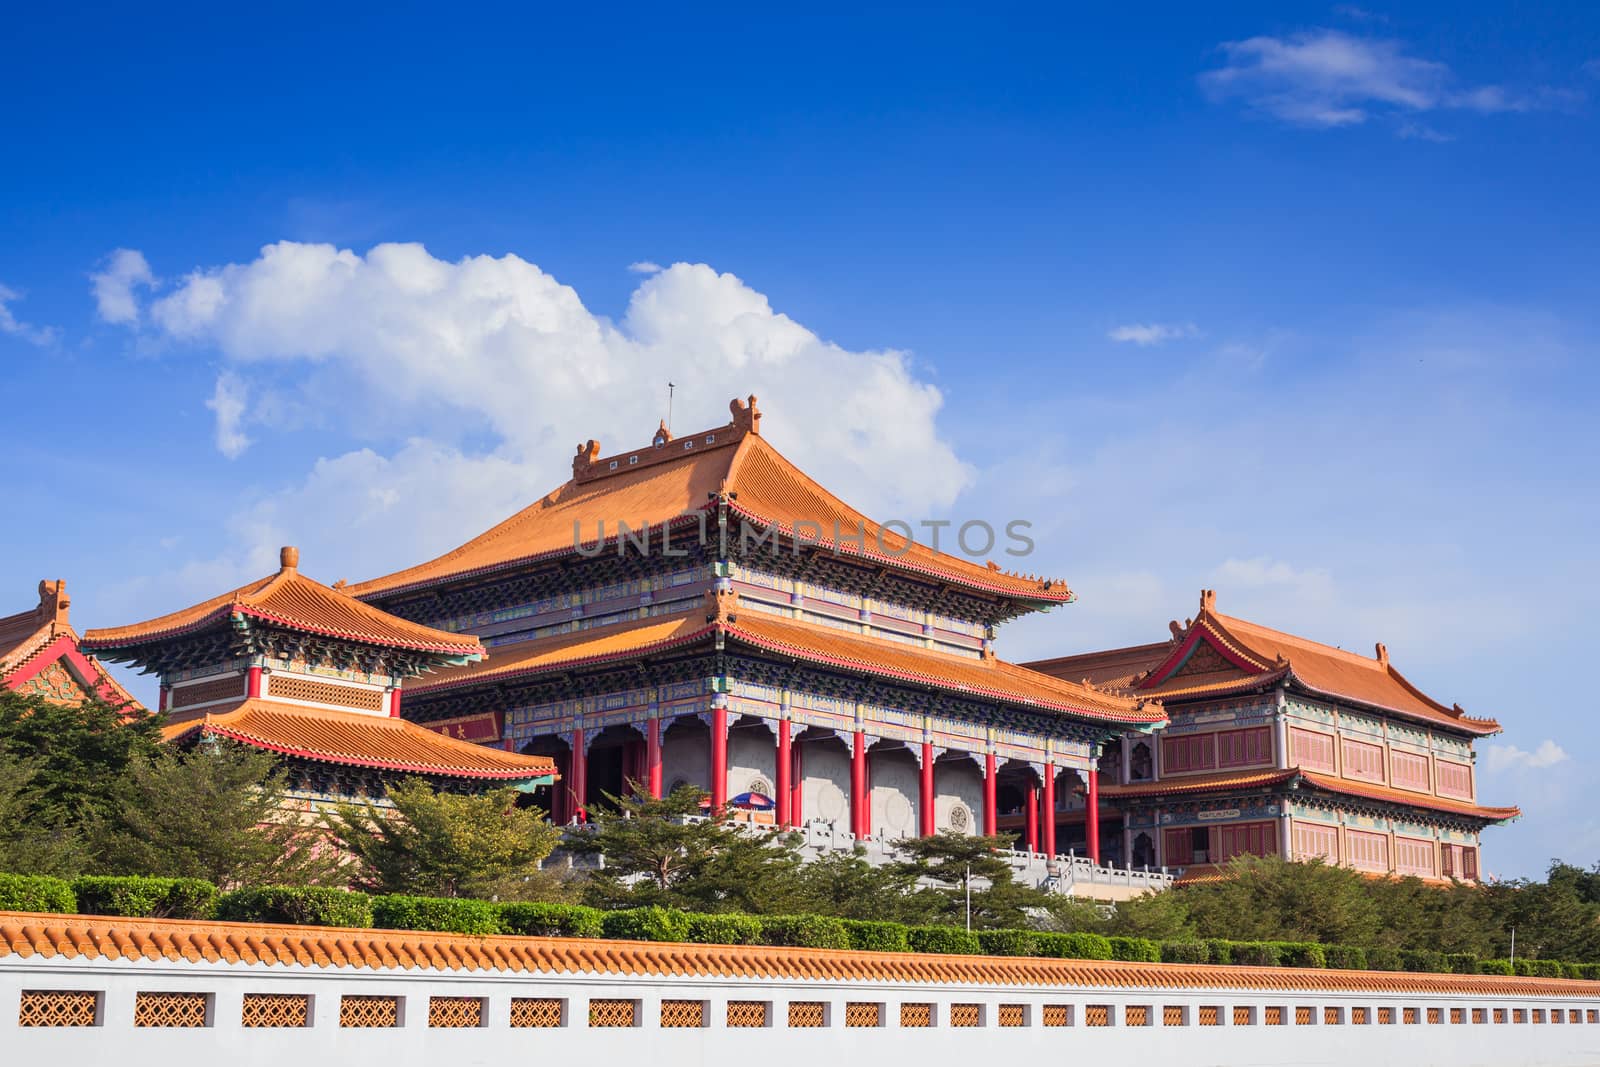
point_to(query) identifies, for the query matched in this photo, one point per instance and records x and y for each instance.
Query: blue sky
(1293, 301)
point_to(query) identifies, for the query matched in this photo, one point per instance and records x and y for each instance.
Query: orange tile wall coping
(27, 934)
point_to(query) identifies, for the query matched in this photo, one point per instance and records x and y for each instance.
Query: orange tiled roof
(91, 937)
(290, 599)
(354, 739)
(1253, 656)
(27, 634)
(666, 483)
(1201, 783)
(985, 678)
(1405, 796)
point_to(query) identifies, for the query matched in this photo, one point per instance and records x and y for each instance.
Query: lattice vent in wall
(58, 1007)
(275, 1009)
(169, 1009)
(536, 1012)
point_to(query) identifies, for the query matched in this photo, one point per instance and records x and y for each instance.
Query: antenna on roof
(670, 388)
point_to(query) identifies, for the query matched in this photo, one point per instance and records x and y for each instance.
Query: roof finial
(588, 452)
(53, 600)
(288, 557)
(1383, 653)
(1208, 600)
(746, 416)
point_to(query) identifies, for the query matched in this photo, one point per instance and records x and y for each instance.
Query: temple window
(1196, 752)
(1242, 748)
(1191, 844)
(1141, 764)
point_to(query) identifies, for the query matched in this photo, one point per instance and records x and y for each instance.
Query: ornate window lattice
(747, 1013)
(1303, 1016)
(1097, 1015)
(1435, 1016)
(683, 1013)
(863, 1013)
(1385, 1016)
(1500, 1015)
(1056, 1015)
(1013, 1015)
(1574, 1016)
(58, 1007)
(169, 1009)
(1480, 1016)
(805, 1014)
(1211, 1015)
(960, 817)
(289, 687)
(1330, 1016)
(1135, 1015)
(358, 1010)
(1274, 1016)
(455, 1013)
(1593, 1015)
(1538, 1015)
(1241, 1016)
(537, 1012)
(613, 1012)
(1519, 1015)
(1172, 1015)
(1555, 1016)
(966, 1015)
(275, 1009)
(916, 1016)
(1358, 1016)
(185, 696)
(1458, 1016)
(1410, 1016)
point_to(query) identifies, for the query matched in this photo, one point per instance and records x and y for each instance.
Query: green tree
(215, 812)
(846, 886)
(1268, 899)
(443, 844)
(662, 852)
(77, 753)
(34, 838)
(946, 861)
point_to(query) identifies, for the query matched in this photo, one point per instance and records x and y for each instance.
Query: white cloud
(10, 324)
(1502, 757)
(1328, 78)
(1153, 333)
(126, 270)
(228, 401)
(644, 266)
(496, 352)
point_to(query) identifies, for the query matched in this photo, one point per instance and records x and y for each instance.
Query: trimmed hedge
(729, 929)
(652, 923)
(1497, 967)
(1221, 951)
(1256, 953)
(299, 905)
(1413, 959)
(1135, 949)
(1461, 963)
(36, 892)
(804, 931)
(1538, 968)
(1185, 952)
(1345, 957)
(552, 920)
(950, 940)
(1075, 946)
(1301, 954)
(1008, 943)
(867, 936)
(136, 896)
(1384, 959)
(450, 915)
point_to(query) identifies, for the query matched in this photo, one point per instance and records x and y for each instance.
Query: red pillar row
(925, 809)
(860, 802)
(652, 759)
(1092, 814)
(991, 819)
(1032, 807)
(719, 758)
(784, 777)
(1049, 813)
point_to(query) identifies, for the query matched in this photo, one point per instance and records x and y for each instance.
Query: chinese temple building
(1282, 746)
(40, 655)
(291, 666)
(698, 611)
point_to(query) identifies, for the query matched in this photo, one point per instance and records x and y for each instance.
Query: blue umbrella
(747, 801)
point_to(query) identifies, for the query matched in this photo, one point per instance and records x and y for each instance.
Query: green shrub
(551, 920)
(451, 915)
(723, 929)
(1185, 952)
(1301, 954)
(300, 905)
(145, 898)
(876, 936)
(1589, 971)
(1494, 966)
(1073, 946)
(1220, 951)
(1422, 959)
(1384, 959)
(1572, 970)
(1462, 962)
(1345, 957)
(1135, 949)
(36, 892)
(653, 923)
(1008, 942)
(1539, 968)
(804, 931)
(951, 940)
(1255, 953)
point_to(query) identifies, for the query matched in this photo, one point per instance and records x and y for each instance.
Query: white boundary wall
(223, 1041)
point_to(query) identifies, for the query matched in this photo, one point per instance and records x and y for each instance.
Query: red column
(926, 809)
(1032, 808)
(719, 758)
(1049, 813)
(991, 818)
(1092, 815)
(252, 685)
(860, 803)
(560, 802)
(784, 764)
(798, 779)
(394, 703)
(579, 783)
(162, 697)
(652, 758)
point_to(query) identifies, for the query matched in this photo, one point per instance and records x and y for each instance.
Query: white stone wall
(958, 784)
(1254, 1043)
(896, 780)
(825, 783)
(752, 754)
(684, 760)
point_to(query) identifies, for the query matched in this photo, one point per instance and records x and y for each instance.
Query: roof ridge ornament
(722, 604)
(54, 602)
(288, 559)
(1208, 600)
(746, 416)
(1383, 653)
(588, 454)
